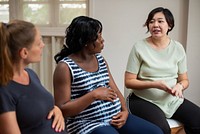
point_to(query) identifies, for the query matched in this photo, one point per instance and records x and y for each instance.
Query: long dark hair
(82, 30)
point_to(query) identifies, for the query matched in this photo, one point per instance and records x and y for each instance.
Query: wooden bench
(176, 126)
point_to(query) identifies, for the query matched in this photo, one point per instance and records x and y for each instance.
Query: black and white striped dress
(100, 112)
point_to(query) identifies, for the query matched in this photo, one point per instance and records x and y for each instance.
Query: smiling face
(158, 26)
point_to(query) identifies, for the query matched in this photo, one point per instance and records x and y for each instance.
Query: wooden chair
(176, 126)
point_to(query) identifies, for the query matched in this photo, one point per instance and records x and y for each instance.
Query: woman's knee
(136, 124)
(104, 130)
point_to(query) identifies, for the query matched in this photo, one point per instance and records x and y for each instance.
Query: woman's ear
(23, 53)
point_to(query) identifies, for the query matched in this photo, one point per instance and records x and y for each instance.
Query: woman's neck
(20, 75)
(160, 43)
(88, 62)
(82, 57)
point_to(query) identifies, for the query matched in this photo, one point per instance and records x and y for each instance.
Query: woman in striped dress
(84, 88)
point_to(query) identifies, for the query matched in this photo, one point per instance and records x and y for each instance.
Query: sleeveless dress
(100, 112)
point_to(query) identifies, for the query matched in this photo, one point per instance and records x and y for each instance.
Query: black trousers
(188, 114)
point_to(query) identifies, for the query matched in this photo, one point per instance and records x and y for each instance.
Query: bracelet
(181, 84)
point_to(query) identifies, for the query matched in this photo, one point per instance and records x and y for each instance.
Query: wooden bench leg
(178, 130)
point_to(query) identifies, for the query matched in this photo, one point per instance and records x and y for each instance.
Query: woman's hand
(163, 86)
(58, 121)
(120, 119)
(177, 90)
(103, 93)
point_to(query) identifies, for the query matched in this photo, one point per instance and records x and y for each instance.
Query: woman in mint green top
(156, 73)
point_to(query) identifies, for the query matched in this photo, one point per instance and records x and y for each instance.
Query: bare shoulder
(61, 70)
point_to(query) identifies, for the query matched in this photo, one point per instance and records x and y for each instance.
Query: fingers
(117, 121)
(168, 89)
(106, 94)
(117, 124)
(111, 96)
(177, 91)
(50, 114)
(58, 120)
(179, 94)
(58, 124)
(116, 116)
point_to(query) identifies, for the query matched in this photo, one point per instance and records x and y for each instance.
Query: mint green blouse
(151, 64)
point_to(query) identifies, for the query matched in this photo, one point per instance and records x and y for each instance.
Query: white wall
(193, 51)
(123, 25)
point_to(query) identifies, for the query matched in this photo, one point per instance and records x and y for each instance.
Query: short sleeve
(7, 102)
(134, 62)
(182, 64)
